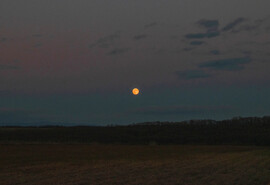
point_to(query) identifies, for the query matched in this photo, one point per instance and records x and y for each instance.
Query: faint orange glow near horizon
(135, 91)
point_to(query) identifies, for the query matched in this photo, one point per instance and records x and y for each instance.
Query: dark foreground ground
(63, 164)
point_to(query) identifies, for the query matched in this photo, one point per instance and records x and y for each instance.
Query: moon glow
(135, 91)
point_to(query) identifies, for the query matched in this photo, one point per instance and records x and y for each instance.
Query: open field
(122, 164)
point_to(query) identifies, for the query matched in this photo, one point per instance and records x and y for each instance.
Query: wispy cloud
(209, 24)
(215, 52)
(197, 43)
(118, 51)
(105, 42)
(211, 27)
(192, 74)
(230, 64)
(233, 24)
(202, 35)
(251, 25)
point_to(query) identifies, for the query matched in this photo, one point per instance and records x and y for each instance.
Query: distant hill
(236, 131)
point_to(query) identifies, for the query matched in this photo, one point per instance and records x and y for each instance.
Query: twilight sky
(77, 61)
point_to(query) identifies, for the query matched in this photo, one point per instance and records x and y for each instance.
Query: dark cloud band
(230, 64)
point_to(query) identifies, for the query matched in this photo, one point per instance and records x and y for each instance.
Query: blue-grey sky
(77, 61)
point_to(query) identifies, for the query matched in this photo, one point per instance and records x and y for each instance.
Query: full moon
(135, 91)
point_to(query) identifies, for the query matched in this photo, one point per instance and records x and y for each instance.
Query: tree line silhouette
(236, 131)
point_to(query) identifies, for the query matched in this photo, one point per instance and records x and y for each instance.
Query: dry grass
(144, 165)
